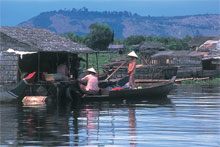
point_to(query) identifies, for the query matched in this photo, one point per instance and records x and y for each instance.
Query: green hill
(126, 24)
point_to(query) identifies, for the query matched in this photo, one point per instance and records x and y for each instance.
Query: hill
(126, 24)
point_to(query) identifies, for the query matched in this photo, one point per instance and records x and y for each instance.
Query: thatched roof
(179, 54)
(151, 46)
(197, 41)
(37, 39)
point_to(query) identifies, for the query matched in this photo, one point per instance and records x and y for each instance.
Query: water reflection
(188, 117)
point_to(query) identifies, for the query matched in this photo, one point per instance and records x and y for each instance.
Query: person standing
(92, 82)
(62, 71)
(131, 68)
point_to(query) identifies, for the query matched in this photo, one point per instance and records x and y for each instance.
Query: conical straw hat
(132, 54)
(91, 70)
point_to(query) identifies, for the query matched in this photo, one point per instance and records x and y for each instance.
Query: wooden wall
(8, 68)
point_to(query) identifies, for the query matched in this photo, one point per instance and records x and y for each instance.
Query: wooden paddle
(115, 71)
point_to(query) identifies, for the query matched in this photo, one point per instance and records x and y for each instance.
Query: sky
(13, 12)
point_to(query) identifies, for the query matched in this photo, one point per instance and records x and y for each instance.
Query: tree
(99, 37)
(73, 37)
(187, 38)
(118, 41)
(134, 39)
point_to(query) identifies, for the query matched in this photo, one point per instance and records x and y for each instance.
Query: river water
(189, 116)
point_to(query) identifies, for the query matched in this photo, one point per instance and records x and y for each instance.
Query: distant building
(136, 48)
(210, 46)
(178, 58)
(189, 63)
(116, 48)
(196, 42)
(148, 49)
(212, 60)
(25, 50)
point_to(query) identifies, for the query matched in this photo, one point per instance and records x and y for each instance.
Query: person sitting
(131, 68)
(92, 82)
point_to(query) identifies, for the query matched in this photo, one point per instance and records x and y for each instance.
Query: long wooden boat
(153, 90)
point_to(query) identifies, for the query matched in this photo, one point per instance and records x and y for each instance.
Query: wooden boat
(152, 90)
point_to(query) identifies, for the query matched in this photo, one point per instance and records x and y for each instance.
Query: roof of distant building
(151, 45)
(115, 46)
(198, 40)
(179, 54)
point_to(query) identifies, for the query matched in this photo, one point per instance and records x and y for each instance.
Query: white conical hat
(132, 54)
(91, 70)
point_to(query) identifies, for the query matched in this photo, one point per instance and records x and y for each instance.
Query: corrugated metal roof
(179, 54)
(113, 46)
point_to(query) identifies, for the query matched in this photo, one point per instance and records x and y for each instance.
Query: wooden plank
(150, 80)
(163, 80)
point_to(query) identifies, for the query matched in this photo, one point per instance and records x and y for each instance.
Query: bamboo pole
(115, 71)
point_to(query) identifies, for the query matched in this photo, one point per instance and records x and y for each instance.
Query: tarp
(21, 53)
(210, 45)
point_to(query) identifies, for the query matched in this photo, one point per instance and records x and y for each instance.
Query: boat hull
(151, 92)
(161, 90)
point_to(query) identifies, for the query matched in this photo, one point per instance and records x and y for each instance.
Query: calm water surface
(190, 116)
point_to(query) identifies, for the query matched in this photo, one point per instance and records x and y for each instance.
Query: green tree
(73, 37)
(187, 38)
(118, 41)
(134, 39)
(99, 37)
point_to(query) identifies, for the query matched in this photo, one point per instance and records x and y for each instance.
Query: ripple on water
(188, 117)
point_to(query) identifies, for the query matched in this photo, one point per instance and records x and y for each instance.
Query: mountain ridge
(125, 23)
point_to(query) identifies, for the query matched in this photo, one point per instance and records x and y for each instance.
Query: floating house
(212, 60)
(197, 41)
(189, 63)
(147, 50)
(25, 50)
(116, 48)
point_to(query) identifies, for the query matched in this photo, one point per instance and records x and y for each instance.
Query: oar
(115, 71)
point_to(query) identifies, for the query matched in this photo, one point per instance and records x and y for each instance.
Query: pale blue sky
(13, 12)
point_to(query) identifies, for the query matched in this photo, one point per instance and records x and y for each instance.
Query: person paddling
(131, 68)
(92, 82)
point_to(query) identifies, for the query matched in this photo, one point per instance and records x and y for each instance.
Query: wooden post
(97, 62)
(57, 60)
(68, 63)
(87, 61)
(38, 60)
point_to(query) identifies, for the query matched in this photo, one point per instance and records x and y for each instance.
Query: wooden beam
(38, 68)
(87, 61)
(97, 62)
(164, 80)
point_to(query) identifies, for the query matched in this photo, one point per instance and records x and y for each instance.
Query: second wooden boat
(153, 90)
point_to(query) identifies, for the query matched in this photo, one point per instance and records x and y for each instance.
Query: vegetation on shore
(214, 81)
(100, 36)
(103, 58)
